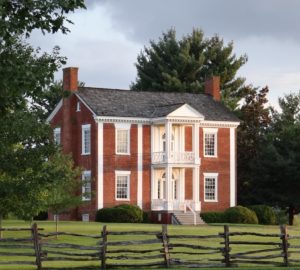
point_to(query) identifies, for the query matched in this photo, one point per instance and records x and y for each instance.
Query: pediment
(186, 111)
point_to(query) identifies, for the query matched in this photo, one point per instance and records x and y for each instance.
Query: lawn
(93, 228)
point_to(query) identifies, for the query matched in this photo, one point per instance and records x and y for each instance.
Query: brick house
(165, 152)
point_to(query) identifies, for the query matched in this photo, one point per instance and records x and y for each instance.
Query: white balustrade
(175, 157)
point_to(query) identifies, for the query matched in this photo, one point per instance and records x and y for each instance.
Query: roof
(145, 104)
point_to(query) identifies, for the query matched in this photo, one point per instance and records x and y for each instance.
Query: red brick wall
(188, 130)
(70, 122)
(220, 165)
(188, 183)
(146, 168)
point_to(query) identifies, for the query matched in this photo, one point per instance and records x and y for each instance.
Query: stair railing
(188, 205)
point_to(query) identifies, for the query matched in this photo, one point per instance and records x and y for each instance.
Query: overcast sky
(106, 37)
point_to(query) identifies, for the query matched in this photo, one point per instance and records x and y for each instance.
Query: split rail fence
(112, 249)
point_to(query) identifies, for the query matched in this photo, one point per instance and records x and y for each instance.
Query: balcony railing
(175, 157)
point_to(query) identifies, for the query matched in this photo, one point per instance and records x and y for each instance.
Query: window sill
(124, 200)
(210, 156)
(123, 154)
(211, 201)
(85, 154)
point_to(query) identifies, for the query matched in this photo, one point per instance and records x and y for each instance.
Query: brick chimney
(70, 79)
(212, 88)
(70, 83)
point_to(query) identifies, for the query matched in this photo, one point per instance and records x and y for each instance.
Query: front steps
(186, 218)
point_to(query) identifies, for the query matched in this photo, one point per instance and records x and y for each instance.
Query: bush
(124, 213)
(240, 214)
(213, 217)
(264, 213)
(41, 216)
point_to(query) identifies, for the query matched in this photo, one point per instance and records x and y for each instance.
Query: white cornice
(116, 119)
(220, 124)
(54, 112)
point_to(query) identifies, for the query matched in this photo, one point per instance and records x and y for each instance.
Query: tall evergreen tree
(183, 65)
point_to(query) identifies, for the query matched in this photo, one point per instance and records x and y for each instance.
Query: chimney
(70, 79)
(212, 88)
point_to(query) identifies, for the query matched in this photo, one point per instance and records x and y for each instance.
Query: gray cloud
(232, 19)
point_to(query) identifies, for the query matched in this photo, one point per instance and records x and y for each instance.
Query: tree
(25, 73)
(62, 191)
(255, 121)
(183, 66)
(277, 166)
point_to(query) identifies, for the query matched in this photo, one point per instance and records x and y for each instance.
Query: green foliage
(264, 213)
(280, 216)
(240, 215)
(213, 217)
(183, 65)
(124, 213)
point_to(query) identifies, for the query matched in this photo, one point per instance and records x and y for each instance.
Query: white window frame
(122, 127)
(83, 129)
(84, 183)
(122, 173)
(213, 131)
(57, 131)
(214, 176)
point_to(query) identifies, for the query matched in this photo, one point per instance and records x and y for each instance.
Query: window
(86, 186)
(78, 106)
(86, 139)
(85, 217)
(210, 187)
(122, 141)
(122, 185)
(210, 142)
(57, 135)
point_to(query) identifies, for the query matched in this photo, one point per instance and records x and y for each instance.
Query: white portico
(170, 160)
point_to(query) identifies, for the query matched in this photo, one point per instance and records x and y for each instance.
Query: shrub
(213, 217)
(264, 213)
(122, 213)
(240, 214)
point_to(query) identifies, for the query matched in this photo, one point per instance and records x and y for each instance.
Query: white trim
(83, 175)
(215, 176)
(161, 120)
(123, 173)
(54, 112)
(122, 126)
(140, 167)
(86, 105)
(100, 165)
(232, 168)
(215, 132)
(83, 128)
(186, 111)
(78, 106)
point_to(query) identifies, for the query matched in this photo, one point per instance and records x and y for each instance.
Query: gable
(186, 111)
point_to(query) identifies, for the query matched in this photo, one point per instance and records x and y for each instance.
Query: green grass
(95, 229)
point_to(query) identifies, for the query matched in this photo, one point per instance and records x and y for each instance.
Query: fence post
(104, 247)
(36, 245)
(165, 240)
(226, 251)
(285, 244)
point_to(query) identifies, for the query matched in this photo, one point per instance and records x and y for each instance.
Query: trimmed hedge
(213, 217)
(241, 215)
(264, 213)
(123, 213)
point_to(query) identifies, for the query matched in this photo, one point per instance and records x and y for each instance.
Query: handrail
(188, 204)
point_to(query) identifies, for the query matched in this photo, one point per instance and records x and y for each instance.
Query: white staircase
(187, 218)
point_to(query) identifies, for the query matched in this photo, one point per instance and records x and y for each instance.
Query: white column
(100, 166)
(232, 168)
(140, 167)
(181, 185)
(196, 143)
(196, 188)
(169, 201)
(168, 132)
(152, 185)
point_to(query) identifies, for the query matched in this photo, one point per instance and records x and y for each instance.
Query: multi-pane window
(122, 185)
(57, 135)
(122, 141)
(86, 186)
(210, 143)
(86, 139)
(210, 187)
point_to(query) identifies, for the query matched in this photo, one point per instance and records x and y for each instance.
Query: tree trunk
(291, 212)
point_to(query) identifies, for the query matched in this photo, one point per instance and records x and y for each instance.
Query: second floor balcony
(174, 157)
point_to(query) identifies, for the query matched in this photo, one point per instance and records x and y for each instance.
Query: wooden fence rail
(140, 249)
